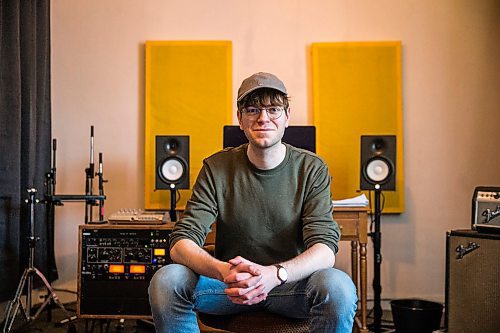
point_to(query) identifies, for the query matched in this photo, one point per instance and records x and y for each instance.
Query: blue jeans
(176, 293)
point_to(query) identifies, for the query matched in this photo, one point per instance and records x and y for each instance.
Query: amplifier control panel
(486, 209)
(116, 264)
(123, 253)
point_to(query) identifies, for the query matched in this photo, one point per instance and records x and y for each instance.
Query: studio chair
(255, 322)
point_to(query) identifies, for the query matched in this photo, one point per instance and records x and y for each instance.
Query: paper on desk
(358, 201)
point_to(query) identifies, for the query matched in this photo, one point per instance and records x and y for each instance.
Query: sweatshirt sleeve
(318, 224)
(200, 213)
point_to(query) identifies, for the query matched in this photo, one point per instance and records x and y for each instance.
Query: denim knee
(169, 283)
(171, 298)
(335, 291)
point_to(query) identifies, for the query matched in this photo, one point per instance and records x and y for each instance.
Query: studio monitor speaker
(472, 282)
(378, 162)
(172, 162)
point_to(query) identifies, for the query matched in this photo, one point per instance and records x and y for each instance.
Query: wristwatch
(282, 274)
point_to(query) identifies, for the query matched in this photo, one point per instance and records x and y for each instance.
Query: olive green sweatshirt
(266, 216)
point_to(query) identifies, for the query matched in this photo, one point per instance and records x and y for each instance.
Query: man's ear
(238, 115)
(287, 114)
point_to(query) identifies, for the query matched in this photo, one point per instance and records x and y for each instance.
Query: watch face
(282, 274)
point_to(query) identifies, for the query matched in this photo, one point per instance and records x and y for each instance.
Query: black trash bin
(416, 315)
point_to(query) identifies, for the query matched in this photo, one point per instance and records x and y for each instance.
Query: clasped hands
(249, 283)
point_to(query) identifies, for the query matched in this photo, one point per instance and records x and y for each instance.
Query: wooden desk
(353, 226)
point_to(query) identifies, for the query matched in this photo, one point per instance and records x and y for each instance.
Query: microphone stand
(27, 279)
(89, 180)
(89, 198)
(101, 188)
(50, 177)
(51, 200)
(50, 189)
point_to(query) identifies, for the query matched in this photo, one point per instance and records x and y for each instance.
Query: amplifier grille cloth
(473, 285)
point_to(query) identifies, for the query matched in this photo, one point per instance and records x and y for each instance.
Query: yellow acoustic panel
(357, 91)
(188, 92)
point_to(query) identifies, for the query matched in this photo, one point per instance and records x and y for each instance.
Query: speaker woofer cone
(378, 170)
(172, 170)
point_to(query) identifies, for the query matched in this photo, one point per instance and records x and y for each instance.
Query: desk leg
(363, 282)
(355, 264)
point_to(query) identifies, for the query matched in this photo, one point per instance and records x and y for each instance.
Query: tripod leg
(52, 296)
(44, 304)
(13, 307)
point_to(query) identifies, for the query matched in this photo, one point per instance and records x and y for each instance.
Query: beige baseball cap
(258, 81)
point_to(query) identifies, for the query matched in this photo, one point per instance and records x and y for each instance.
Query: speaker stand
(376, 236)
(173, 203)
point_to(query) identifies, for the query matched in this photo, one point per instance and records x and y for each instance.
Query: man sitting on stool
(276, 239)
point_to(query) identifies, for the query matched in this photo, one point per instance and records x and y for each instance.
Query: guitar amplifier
(486, 209)
(116, 264)
(472, 282)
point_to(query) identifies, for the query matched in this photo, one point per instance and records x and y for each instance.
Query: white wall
(451, 102)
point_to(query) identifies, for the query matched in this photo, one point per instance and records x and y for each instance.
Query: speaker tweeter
(172, 162)
(378, 162)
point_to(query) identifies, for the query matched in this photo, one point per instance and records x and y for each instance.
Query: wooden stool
(255, 322)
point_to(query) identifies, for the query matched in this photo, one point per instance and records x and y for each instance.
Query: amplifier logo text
(491, 214)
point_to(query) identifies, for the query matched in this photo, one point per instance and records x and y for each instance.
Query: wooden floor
(42, 324)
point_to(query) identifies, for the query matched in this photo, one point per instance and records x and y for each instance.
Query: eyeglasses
(253, 113)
